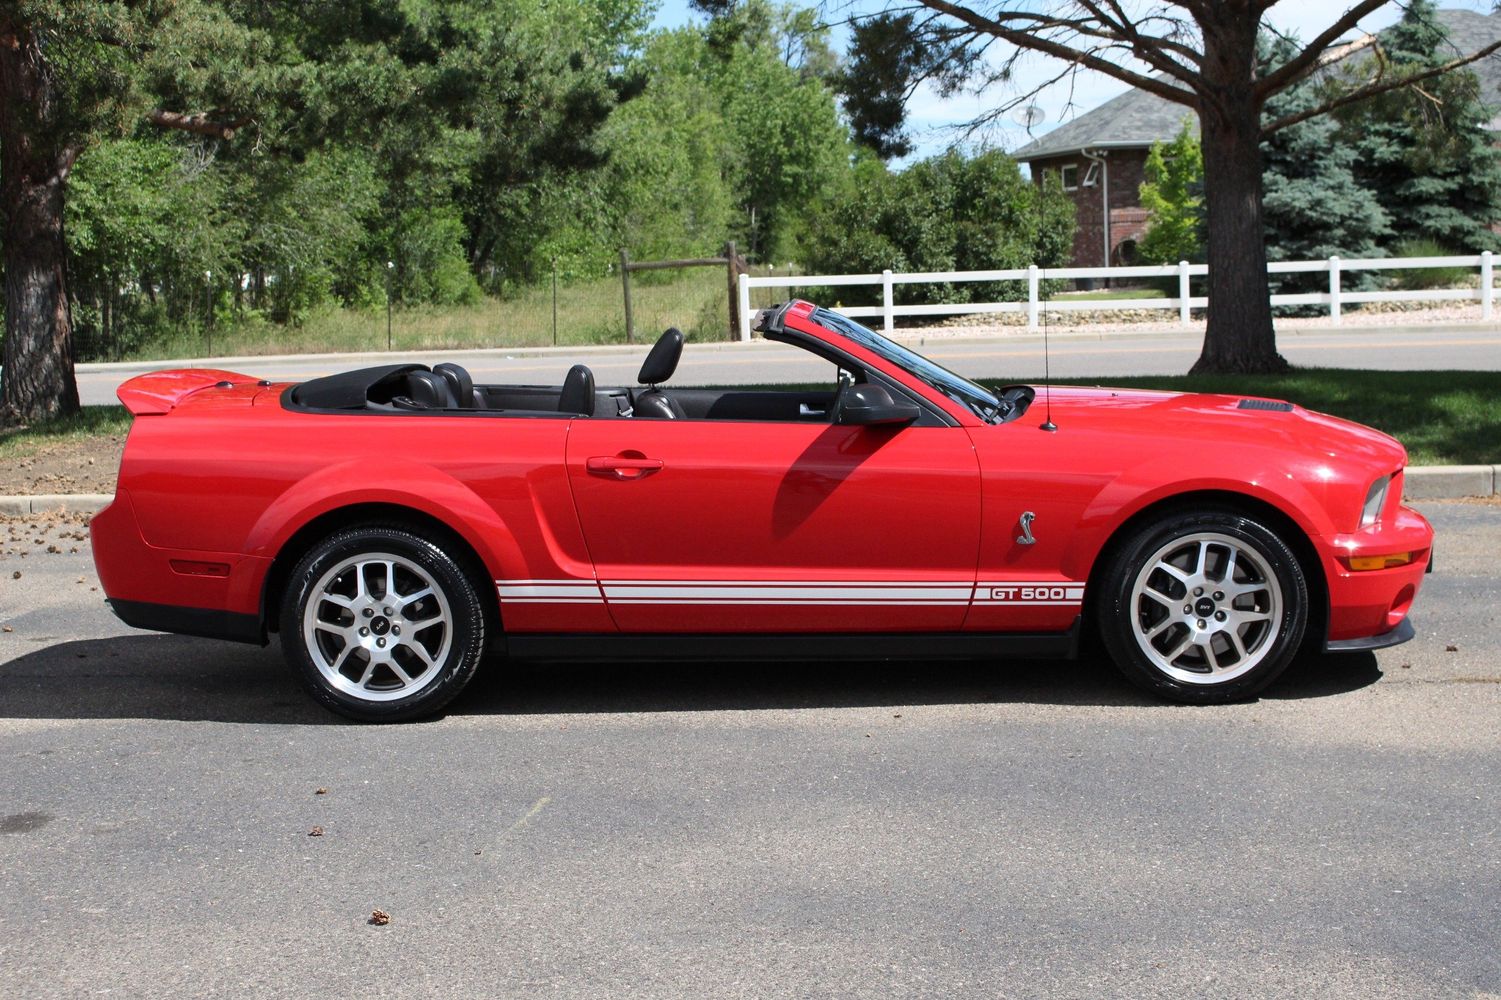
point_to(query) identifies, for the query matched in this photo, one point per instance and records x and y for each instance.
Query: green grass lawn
(1115, 293)
(91, 422)
(1443, 417)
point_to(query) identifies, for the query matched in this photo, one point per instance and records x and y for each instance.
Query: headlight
(1374, 501)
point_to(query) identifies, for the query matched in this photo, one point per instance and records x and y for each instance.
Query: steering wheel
(836, 408)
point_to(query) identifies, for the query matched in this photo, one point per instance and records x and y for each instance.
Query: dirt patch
(68, 465)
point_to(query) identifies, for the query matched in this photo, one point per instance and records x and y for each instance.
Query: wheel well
(373, 513)
(1286, 527)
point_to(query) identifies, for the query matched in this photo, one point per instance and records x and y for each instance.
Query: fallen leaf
(321, 791)
(898, 715)
(316, 831)
(379, 918)
(7, 628)
(1451, 649)
(16, 575)
(1407, 666)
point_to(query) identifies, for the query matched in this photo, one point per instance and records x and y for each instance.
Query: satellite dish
(1029, 117)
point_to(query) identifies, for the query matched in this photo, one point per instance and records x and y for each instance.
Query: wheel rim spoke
(410, 599)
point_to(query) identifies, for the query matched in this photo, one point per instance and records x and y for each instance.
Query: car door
(777, 526)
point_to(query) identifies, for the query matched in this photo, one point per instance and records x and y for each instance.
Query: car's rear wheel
(382, 624)
(1203, 607)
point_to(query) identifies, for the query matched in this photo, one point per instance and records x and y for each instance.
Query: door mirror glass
(868, 405)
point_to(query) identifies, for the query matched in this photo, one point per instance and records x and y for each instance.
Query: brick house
(1102, 154)
(1100, 157)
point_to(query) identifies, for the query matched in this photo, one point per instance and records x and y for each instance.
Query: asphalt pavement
(1015, 357)
(715, 830)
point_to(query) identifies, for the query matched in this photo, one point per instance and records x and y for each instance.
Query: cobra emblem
(1025, 538)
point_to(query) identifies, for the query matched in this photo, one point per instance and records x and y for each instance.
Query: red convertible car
(396, 524)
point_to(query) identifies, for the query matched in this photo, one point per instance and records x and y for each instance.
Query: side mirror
(869, 405)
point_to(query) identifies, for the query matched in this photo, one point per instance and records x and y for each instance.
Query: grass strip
(89, 423)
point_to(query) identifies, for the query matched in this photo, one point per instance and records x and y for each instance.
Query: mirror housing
(871, 405)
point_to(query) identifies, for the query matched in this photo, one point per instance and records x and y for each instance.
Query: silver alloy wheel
(377, 627)
(1207, 607)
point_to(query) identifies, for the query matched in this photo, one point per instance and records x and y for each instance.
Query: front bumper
(1371, 605)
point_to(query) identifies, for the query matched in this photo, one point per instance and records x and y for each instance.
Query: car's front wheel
(1205, 606)
(382, 624)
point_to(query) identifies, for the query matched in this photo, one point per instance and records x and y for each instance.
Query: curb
(1421, 482)
(66, 503)
(1449, 482)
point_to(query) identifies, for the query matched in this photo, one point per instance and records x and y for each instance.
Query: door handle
(619, 467)
(804, 410)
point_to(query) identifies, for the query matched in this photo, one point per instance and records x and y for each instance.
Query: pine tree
(1425, 151)
(1315, 205)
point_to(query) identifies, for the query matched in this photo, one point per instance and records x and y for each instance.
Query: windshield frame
(975, 397)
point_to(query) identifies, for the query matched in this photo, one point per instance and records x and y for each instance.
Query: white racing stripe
(999, 593)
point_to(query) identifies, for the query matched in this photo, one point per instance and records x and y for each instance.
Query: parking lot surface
(727, 830)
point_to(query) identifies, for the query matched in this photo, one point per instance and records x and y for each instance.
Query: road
(1014, 830)
(1018, 357)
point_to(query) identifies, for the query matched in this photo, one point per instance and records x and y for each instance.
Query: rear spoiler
(158, 392)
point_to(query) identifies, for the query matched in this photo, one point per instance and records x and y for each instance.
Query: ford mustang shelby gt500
(395, 524)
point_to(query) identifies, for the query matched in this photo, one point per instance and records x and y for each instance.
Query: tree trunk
(38, 381)
(1239, 337)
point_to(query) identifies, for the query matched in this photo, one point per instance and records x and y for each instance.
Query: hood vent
(1264, 404)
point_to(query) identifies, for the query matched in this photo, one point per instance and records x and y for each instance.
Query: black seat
(460, 385)
(658, 367)
(578, 392)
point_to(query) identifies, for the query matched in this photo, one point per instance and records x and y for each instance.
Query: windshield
(979, 399)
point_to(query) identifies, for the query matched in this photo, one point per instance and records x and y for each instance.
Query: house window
(1092, 175)
(1070, 177)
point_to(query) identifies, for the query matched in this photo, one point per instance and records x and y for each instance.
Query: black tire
(1199, 639)
(429, 646)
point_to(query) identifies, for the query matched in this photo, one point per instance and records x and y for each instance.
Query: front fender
(1145, 485)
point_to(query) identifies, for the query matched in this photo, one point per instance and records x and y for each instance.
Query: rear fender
(405, 484)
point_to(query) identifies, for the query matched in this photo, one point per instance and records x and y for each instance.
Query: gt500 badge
(1030, 593)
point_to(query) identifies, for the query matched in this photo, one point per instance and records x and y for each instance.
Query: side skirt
(797, 646)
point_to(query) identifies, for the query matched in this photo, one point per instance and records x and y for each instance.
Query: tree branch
(1294, 68)
(1378, 87)
(1025, 40)
(199, 124)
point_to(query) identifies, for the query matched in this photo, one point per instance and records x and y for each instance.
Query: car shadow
(179, 678)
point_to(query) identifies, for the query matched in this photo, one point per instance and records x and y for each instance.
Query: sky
(935, 122)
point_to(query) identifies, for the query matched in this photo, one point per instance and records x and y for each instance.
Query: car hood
(1219, 420)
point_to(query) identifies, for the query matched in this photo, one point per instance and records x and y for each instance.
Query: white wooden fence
(1334, 299)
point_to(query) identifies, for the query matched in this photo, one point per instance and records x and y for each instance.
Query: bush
(1418, 279)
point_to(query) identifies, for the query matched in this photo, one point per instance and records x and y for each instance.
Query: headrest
(578, 392)
(429, 390)
(460, 385)
(663, 359)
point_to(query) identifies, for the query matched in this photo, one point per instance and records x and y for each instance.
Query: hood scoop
(1264, 404)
